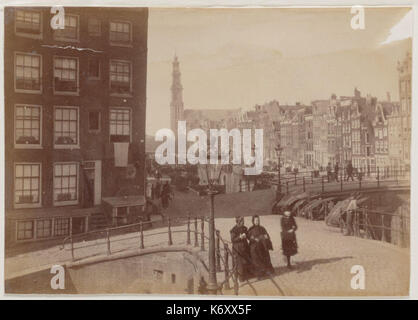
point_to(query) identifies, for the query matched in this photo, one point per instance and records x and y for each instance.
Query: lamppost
(212, 286)
(279, 185)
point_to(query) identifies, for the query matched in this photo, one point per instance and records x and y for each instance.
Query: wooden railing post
(141, 235)
(218, 252)
(202, 234)
(295, 178)
(322, 182)
(188, 230)
(196, 241)
(365, 218)
(72, 244)
(108, 241)
(360, 177)
(341, 180)
(287, 187)
(170, 240)
(303, 183)
(383, 226)
(312, 177)
(226, 266)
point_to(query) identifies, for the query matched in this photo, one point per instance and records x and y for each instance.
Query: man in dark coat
(166, 195)
(260, 244)
(336, 170)
(240, 249)
(350, 170)
(289, 244)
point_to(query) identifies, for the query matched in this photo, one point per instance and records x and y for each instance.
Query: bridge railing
(193, 228)
(383, 226)
(309, 181)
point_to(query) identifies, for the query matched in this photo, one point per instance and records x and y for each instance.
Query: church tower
(176, 105)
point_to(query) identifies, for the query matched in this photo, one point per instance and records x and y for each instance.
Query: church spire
(176, 105)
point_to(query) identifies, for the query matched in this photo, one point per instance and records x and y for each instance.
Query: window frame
(27, 205)
(130, 121)
(115, 94)
(66, 146)
(40, 72)
(27, 146)
(65, 39)
(119, 44)
(29, 35)
(59, 203)
(33, 230)
(66, 93)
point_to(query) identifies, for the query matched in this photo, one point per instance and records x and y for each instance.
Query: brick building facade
(75, 118)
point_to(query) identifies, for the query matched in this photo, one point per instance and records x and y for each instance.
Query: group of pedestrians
(251, 246)
(349, 170)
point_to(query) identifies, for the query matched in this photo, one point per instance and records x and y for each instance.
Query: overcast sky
(236, 58)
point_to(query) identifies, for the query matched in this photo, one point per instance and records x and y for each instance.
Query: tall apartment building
(405, 92)
(75, 119)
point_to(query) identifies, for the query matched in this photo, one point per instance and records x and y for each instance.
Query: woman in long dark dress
(288, 235)
(241, 249)
(260, 244)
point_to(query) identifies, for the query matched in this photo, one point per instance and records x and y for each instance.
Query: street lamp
(213, 178)
(279, 185)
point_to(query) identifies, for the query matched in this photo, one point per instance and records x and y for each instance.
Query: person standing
(288, 235)
(336, 170)
(329, 171)
(166, 195)
(241, 249)
(351, 208)
(260, 244)
(350, 171)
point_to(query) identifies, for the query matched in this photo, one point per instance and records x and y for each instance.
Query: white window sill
(64, 93)
(65, 203)
(28, 91)
(66, 146)
(27, 205)
(28, 146)
(117, 44)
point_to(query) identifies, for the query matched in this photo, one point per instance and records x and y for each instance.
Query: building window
(70, 31)
(120, 125)
(28, 23)
(28, 72)
(94, 68)
(65, 75)
(120, 33)
(43, 228)
(94, 121)
(65, 183)
(94, 27)
(27, 184)
(62, 227)
(25, 230)
(66, 127)
(120, 77)
(27, 126)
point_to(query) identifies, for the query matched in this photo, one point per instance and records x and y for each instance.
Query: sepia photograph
(207, 151)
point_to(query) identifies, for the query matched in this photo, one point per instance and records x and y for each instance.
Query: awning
(125, 201)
